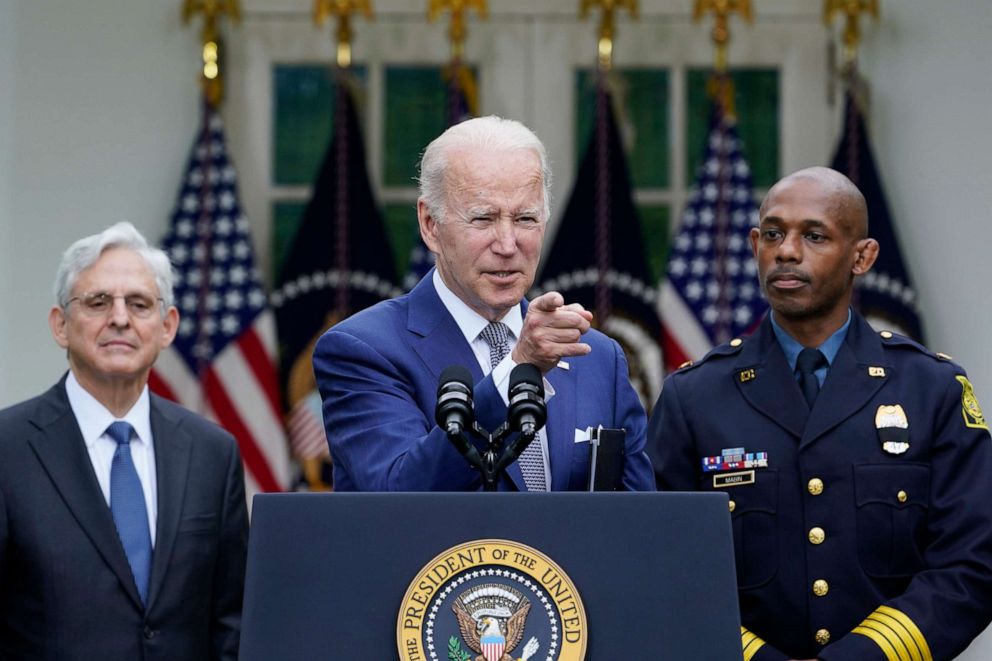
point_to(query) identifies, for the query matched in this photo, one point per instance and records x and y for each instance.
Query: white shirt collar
(94, 418)
(470, 322)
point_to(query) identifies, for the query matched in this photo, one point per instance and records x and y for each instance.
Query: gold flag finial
(606, 26)
(852, 9)
(722, 9)
(459, 30)
(211, 81)
(343, 9)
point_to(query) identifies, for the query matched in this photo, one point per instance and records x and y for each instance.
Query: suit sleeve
(948, 603)
(672, 449)
(229, 573)
(377, 432)
(630, 416)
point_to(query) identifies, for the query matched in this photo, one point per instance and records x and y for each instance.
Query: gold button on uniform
(815, 486)
(902, 496)
(816, 535)
(886, 334)
(736, 342)
(732, 505)
(820, 587)
(822, 636)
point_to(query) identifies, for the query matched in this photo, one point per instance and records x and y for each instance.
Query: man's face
(117, 345)
(807, 254)
(489, 242)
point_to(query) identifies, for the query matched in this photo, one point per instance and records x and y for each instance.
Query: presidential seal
(491, 600)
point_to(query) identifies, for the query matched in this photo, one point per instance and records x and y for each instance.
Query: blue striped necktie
(127, 505)
(531, 460)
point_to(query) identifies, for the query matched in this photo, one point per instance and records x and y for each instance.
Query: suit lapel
(560, 427)
(436, 337)
(60, 448)
(848, 385)
(172, 455)
(771, 389)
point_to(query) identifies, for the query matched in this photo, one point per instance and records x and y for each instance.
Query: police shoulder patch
(970, 409)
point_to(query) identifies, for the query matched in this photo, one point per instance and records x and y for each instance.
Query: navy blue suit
(66, 589)
(845, 551)
(378, 372)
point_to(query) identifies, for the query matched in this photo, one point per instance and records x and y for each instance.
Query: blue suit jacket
(378, 371)
(66, 589)
(904, 561)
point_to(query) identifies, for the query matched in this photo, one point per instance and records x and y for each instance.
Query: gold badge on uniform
(893, 428)
(972, 412)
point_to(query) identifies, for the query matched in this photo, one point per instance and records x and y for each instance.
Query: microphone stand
(491, 462)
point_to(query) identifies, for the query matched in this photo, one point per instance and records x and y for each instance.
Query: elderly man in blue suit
(483, 212)
(123, 522)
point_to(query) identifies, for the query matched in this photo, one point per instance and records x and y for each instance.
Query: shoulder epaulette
(727, 349)
(894, 340)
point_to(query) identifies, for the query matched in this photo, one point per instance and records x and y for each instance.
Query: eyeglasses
(140, 306)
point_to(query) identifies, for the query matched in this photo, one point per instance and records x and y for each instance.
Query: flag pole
(604, 64)
(210, 75)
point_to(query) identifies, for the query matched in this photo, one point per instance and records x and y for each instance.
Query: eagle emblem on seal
(491, 618)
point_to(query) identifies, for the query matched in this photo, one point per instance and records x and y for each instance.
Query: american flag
(221, 363)
(711, 293)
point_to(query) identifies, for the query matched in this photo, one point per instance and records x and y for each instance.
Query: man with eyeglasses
(123, 524)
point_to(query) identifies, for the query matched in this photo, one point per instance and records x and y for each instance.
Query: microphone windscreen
(455, 373)
(528, 374)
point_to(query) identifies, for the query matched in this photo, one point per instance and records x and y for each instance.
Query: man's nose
(119, 315)
(790, 250)
(505, 239)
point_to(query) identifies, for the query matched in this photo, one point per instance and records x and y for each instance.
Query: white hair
(84, 253)
(490, 133)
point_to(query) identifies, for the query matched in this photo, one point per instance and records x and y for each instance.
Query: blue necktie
(531, 460)
(127, 505)
(807, 363)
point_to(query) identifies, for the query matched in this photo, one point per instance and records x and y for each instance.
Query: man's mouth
(787, 280)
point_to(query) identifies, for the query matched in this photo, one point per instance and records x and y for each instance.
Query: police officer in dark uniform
(858, 464)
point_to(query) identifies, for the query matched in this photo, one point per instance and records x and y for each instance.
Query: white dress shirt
(471, 324)
(93, 419)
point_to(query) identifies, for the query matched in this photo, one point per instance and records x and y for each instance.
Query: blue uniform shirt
(829, 349)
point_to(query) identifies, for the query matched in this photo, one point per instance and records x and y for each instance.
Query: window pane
(641, 107)
(303, 118)
(416, 113)
(756, 97)
(655, 220)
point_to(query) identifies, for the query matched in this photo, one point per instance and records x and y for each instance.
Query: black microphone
(454, 411)
(527, 411)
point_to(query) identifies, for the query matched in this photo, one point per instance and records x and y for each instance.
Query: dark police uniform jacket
(849, 544)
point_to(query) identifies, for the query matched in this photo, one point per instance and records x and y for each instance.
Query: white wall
(98, 111)
(8, 44)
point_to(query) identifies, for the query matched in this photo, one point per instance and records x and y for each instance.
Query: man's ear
(428, 226)
(56, 322)
(867, 253)
(753, 236)
(171, 325)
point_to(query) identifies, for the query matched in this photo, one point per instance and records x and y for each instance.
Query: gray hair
(84, 253)
(490, 133)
